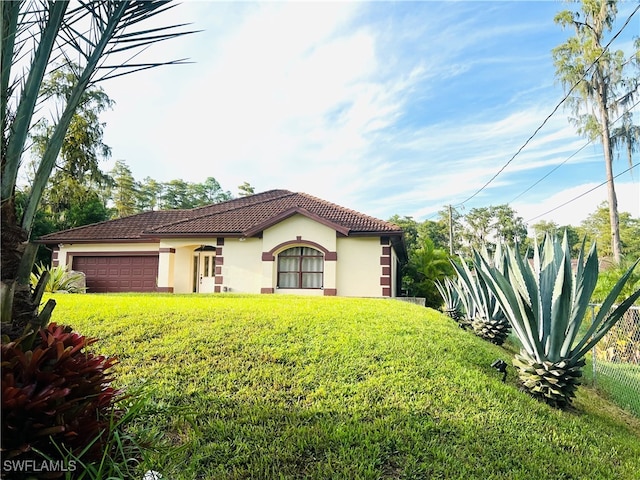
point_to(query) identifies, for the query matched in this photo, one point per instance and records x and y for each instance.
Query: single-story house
(273, 242)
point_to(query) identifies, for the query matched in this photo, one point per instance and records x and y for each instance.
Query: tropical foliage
(452, 303)
(546, 304)
(427, 264)
(56, 393)
(601, 83)
(112, 30)
(487, 318)
(59, 279)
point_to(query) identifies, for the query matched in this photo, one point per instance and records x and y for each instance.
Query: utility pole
(450, 231)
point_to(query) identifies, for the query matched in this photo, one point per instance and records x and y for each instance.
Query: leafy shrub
(608, 278)
(56, 394)
(60, 279)
(622, 343)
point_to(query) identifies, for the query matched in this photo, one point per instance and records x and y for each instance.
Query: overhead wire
(564, 99)
(570, 156)
(584, 193)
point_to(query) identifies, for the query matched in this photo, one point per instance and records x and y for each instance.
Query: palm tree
(91, 31)
(428, 264)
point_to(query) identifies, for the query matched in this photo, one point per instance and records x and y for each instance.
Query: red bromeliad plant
(56, 394)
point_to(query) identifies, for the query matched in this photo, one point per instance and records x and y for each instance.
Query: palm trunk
(17, 309)
(614, 220)
(20, 303)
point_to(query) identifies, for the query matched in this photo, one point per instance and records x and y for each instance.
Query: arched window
(300, 267)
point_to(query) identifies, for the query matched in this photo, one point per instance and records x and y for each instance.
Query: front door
(204, 271)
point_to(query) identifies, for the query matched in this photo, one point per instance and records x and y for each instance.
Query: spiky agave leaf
(546, 306)
(488, 320)
(450, 296)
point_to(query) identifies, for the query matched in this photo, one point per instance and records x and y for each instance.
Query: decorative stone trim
(385, 263)
(165, 289)
(267, 290)
(218, 262)
(330, 292)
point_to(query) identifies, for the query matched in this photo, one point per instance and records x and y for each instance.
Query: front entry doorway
(204, 269)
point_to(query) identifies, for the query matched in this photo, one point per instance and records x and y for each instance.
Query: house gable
(277, 219)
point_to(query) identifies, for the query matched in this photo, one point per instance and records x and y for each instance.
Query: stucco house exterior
(276, 242)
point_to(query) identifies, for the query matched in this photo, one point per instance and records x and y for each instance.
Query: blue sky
(385, 108)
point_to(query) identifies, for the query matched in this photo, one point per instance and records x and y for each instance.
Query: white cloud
(573, 213)
(342, 102)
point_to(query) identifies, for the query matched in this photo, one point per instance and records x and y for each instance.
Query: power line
(571, 156)
(583, 194)
(554, 169)
(573, 87)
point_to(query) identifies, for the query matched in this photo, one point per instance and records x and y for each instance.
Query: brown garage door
(118, 274)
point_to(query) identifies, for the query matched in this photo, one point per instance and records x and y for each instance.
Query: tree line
(70, 202)
(431, 248)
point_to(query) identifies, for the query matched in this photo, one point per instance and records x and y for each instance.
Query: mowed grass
(269, 387)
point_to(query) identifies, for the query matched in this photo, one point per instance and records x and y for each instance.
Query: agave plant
(469, 309)
(546, 304)
(452, 302)
(487, 318)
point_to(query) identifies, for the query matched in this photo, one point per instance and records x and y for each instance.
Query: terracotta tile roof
(127, 228)
(245, 216)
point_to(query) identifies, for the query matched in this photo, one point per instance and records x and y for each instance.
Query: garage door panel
(126, 273)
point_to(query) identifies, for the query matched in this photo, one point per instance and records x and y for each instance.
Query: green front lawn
(293, 387)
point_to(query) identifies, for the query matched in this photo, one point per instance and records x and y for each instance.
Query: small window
(300, 267)
(206, 265)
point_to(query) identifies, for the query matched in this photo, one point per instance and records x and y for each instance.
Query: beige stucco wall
(299, 226)
(358, 272)
(242, 267)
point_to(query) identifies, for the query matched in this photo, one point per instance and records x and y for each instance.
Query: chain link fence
(616, 361)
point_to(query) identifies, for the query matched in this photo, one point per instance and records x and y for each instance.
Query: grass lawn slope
(271, 387)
